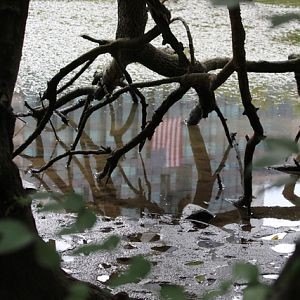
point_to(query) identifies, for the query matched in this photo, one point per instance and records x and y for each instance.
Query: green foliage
(277, 149)
(229, 3)
(172, 292)
(85, 220)
(280, 2)
(70, 202)
(250, 273)
(257, 292)
(222, 290)
(242, 271)
(245, 271)
(46, 255)
(73, 203)
(13, 236)
(78, 291)
(282, 19)
(109, 244)
(139, 268)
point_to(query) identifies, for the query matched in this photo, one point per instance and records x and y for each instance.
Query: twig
(91, 39)
(81, 125)
(224, 123)
(223, 161)
(112, 161)
(219, 180)
(161, 16)
(148, 184)
(51, 124)
(297, 137)
(72, 107)
(190, 38)
(238, 155)
(51, 96)
(71, 153)
(76, 76)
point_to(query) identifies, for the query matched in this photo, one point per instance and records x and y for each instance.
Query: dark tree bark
(21, 276)
(287, 285)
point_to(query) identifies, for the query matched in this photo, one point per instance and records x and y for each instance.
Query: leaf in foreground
(78, 291)
(47, 255)
(246, 271)
(172, 292)
(284, 18)
(85, 220)
(109, 244)
(257, 292)
(138, 269)
(13, 236)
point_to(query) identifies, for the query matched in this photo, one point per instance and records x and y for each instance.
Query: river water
(169, 173)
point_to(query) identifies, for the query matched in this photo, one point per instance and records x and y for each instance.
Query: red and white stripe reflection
(168, 137)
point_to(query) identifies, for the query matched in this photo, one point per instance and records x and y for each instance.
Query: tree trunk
(21, 276)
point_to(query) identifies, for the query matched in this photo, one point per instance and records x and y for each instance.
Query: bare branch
(71, 153)
(76, 76)
(112, 161)
(190, 38)
(239, 60)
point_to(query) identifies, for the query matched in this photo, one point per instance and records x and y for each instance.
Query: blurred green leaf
(86, 219)
(109, 244)
(56, 206)
(246, 271)
(282, 19)
(281, 144)
(73, 203)
(229, 3)
(172, 292)
(24, 201)
(257, 292)
(270, 159)
(222, 290)
(78, 291)
(138, 269)
(46, 255)
(277, 149)
(13, 236)
(280, 182)
(45, 195)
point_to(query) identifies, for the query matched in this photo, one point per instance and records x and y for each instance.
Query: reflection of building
(178, 169)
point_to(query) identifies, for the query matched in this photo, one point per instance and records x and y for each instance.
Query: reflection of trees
(289, 190)
(206, 177)
(104, 196)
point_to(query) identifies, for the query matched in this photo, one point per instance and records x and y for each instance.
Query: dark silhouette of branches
(133, 45)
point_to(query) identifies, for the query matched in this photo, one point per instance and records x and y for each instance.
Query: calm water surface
(169, 173)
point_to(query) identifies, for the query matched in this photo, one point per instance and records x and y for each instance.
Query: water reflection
(162, 179)
(168, 174)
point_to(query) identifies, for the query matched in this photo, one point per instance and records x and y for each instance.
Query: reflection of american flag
(168, 137)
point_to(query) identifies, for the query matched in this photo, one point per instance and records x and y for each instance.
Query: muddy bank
(181, 253)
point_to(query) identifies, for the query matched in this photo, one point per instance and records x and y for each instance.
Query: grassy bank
(280, 2)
